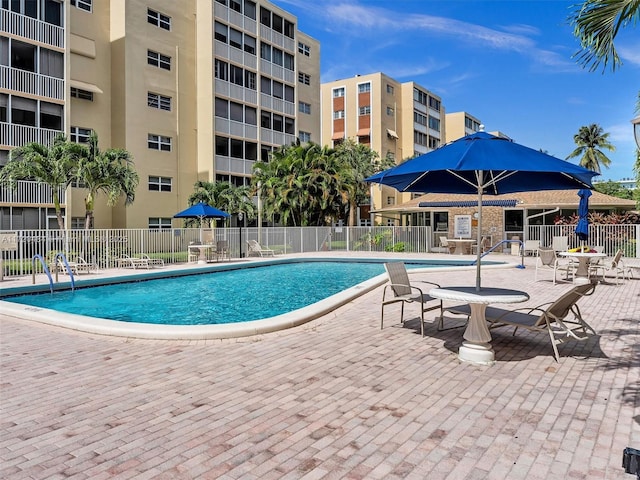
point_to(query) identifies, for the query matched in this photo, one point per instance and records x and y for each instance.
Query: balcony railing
(31, 83)
(17, 135)
(30, 193)
(31, 29)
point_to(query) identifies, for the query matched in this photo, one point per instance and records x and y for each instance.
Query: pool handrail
(37, 256)
(64, 261)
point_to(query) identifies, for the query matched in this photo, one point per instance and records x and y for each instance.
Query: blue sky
(506, 62)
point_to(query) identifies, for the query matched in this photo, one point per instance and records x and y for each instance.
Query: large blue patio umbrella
(582, 228)
(484, 164)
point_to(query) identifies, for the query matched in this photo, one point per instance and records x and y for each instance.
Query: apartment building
(397, 120)
(194, 90)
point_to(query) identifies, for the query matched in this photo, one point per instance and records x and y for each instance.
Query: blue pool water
(229, 296)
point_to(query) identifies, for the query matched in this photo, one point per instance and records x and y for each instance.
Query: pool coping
(151, 331)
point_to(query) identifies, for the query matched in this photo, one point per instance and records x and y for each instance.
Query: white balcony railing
(17, 135)
(30, 193)
(31, 83)
(32, 29)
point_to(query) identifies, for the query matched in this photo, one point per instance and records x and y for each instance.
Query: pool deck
(333, 398)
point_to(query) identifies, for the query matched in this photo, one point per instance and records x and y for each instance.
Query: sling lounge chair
(548, 260)
(255, 249)
(399, 289)
(552, 317)
(615, 267)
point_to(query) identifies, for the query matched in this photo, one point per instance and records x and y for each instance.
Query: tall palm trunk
(56, 203)
(88, 206)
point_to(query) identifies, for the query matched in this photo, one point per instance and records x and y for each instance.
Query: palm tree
(111, 172)
(596, 24)
(54, 166)
(224, 196)
(590, 140)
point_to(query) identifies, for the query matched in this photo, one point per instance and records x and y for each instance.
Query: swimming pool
(231, 300)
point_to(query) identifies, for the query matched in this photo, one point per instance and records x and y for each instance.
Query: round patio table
(581, 276)
(476, 347)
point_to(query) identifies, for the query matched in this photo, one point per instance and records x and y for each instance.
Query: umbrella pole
(479, 233)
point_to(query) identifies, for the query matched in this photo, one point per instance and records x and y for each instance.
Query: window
(434, 103)
(265, 119)
(235, 5)
(155, 100)
(390, 89)
(434, 142)
(278, 89)
(77, 223)
(365, 110)
(420, 96)
(265, 51)
(159, 223)
(159, 184)
(235, 38)
(277, 56)
(338, 114)
(364, 87)
(471, 124)
(221, 108)
(419, 118)
(390, 111)
(82, 94)
(304, 107)
(304, 78)
(250, 80)
(265, 17)
(159, 142)
(289, 29)
(419, 138)
(236, 112)
(391, 200)
(249, 44)
(221, 70)
(289, 61)
(51, 115)
(304, 137)
(79, 134)
(237, 149)
(82, 4)
(222, 146)
(236, 75)
(338, 92)
(158, 60)
(158, 19)
(278, 124)
(289, 94)
(289, 126)
(265, 85)
(221, 32)
(250, 115)
(250, 9)
(434, 123)
(304, 49)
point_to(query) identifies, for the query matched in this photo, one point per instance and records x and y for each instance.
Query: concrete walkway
(335, 398)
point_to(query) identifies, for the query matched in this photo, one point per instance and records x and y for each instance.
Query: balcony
(31, 83)
(30, 193)
(17, 135)
(32, 29)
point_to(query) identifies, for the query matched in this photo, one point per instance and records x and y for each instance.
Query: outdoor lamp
(240, 218)
(636, 130)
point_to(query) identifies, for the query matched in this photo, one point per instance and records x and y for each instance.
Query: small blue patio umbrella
(582, 228)
(484, 164)
(201, 210)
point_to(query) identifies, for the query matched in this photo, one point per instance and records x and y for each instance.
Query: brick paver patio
(335, 398)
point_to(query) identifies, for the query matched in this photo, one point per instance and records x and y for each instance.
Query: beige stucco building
(398, 120)
(194, 90)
